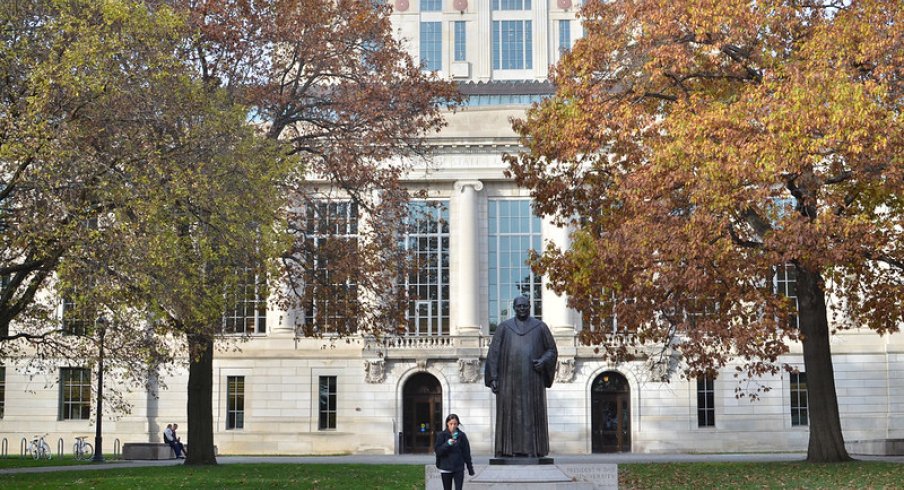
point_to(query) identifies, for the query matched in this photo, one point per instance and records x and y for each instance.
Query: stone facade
(375, 400)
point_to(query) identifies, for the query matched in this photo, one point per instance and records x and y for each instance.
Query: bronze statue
(520, 365)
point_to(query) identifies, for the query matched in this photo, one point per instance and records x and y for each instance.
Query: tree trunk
(826, 439)
(200, 401)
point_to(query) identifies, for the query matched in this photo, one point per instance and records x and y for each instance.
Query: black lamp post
(98, 434)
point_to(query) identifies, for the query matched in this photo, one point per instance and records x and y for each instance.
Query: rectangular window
(785, 284)
(2, 391)
(513, 231)
(235, 402)
(512, 45)
(564, 36)
(706, 402)
(432, 46)
(330, 248)
(511, 4)
(75, 394)
(76, 321)
(799, 400)
(248, 314)
(427, 242)
(431, 5)
(460, 41)
(327, 418)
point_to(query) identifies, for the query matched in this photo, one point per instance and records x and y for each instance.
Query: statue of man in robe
(521, 364)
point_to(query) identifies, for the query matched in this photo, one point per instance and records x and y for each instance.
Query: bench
(152, 450)
(147, 450)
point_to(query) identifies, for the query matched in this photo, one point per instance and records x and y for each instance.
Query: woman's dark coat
(453, 458)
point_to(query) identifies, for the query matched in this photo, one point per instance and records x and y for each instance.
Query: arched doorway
(422, 413)
(610, 413)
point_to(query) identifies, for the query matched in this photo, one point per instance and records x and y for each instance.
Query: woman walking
(453, 453)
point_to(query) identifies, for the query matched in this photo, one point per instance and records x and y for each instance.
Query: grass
(858, 474)
(269, 476)
(854, 474)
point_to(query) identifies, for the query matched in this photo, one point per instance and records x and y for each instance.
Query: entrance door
(422, 413)
(610, 413)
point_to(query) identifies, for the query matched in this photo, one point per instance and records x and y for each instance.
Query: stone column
(467, 298)
(281, 323)
(556, 313)
(483, 68)
(542, 44)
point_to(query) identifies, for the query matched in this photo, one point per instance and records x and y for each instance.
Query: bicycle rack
(22, 447)
(60, 448)
(117, 449)
(4, 448)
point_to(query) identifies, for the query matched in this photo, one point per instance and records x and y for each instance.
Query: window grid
(513, 231)
(460, 41)
(706, 402)
(74, 321)
(432, 46)
(511, 4)
(2, 391)
(249, 307)
(235, 402)
(427, 240)
(799, 411)
(327, 415)
(564, 36)
(785, 284)
(333, 228)
(595, 320)
(75, 394)
(512, 45)
(431, 5)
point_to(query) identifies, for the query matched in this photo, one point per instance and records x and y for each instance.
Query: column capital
(461, 184)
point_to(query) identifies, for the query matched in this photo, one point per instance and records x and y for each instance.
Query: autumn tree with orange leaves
(701, 147)
(327, 80)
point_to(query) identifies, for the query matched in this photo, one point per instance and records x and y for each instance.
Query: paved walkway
(425, 459)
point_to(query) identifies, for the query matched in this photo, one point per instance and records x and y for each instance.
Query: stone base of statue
(534, 477)
(521, 461)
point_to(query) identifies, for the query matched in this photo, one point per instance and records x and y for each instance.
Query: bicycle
(39, 448)
(81, 449)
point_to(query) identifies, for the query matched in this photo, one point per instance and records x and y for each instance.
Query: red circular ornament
(460, 5)
(401, 5)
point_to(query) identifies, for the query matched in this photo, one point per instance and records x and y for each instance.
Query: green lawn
(872, 475)
(856, 474)
(257, 476)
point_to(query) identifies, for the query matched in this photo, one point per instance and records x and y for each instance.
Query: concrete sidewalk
(428, 459)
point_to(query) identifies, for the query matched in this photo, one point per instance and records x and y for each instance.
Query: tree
(80, 134)
(699, 148)
(328, 82)
(125, 183)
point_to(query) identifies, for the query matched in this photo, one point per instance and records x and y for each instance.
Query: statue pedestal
(534, 477)
(520, 461)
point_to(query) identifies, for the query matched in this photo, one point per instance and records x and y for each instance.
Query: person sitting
(172, 440)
